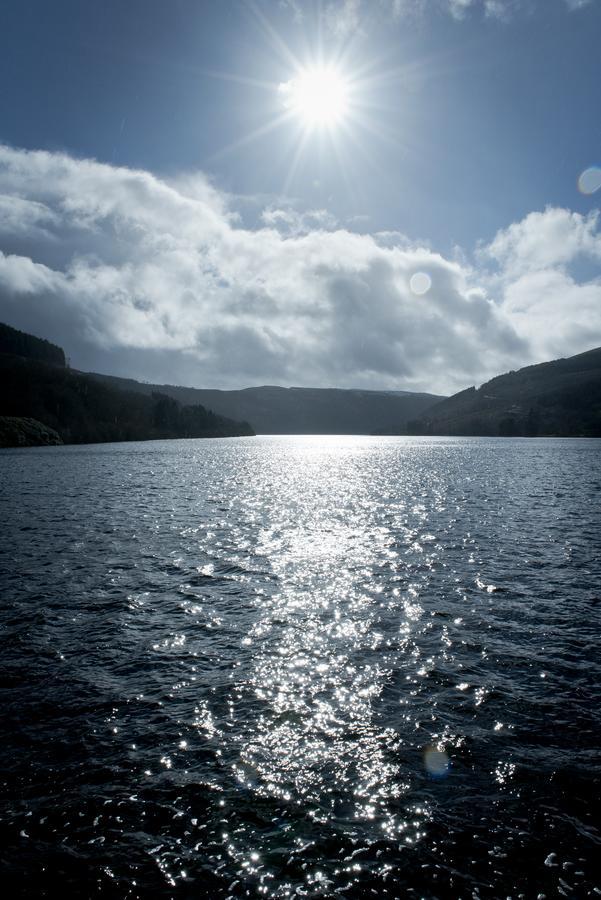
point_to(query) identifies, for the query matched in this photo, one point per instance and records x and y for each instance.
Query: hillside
(562, 397)
(25, 432)
(279, 410)
(19, 343)
(81, 409)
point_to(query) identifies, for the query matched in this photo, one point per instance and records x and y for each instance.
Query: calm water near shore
(301, 666)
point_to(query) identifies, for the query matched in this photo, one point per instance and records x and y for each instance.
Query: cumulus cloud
(536, 260)
(557, 315)
(19, 216)
(159, 280)
(555, 237)
(291, 221)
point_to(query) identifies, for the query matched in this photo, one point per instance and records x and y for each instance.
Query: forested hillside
(83, 410)
(298, 410)
(561, 397)
(20, 343)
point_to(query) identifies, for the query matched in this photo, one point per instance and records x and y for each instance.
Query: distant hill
(279, 410)
(562, 398)
(19, 343)
(81, 409)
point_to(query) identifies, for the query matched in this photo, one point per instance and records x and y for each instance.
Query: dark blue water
(301, 667)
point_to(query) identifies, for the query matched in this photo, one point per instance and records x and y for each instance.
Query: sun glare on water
(318, 96)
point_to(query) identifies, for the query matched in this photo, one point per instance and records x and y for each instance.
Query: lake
(302, 667)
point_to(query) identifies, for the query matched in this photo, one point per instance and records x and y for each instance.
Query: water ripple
(302, 667)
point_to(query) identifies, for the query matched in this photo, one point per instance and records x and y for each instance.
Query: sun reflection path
(324, 653)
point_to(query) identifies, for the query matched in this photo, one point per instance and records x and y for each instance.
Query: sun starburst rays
(324, 103)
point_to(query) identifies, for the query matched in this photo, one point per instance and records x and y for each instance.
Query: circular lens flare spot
(436, 762)
(420, 283)
(319, 96)
(590, 180)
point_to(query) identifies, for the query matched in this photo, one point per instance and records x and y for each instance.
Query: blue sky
(469, 118)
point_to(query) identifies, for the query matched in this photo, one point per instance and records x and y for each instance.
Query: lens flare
(590, 180)
(436, 762)
(420, 283)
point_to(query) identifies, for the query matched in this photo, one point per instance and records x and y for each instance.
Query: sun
(319, 96)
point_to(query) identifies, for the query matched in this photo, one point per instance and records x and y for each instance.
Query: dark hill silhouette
(81, 409)
(19, 343)
(280, 410)
(561, 397)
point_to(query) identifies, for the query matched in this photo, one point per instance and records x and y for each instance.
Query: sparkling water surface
(302, 667)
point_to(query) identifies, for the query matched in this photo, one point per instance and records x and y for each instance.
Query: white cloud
(159, 280)
(555, 237)
(557, 315)
(459, 8)
(535, 278)
(21, 275)
(343, 17)
(24, 216)
(346, 17)
(290, 221)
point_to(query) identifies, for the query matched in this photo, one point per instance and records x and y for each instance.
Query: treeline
(528, 425)
(21, 344)
(83, 410)
(559, 398)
